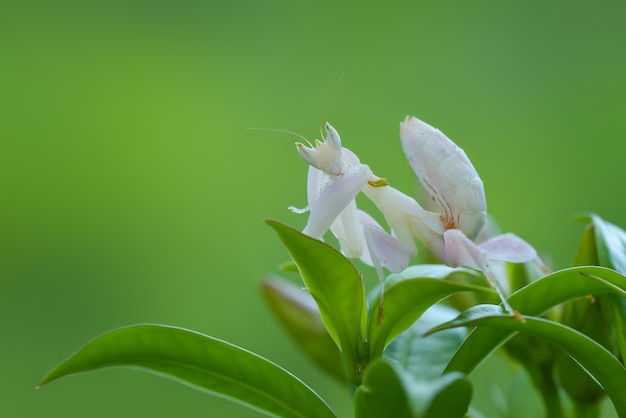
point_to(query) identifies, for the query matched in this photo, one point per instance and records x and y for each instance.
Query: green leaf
(288, 266)
(587, 252)
(388, 391)
(451, 395)
(200, 361)
(614, 288)
(426, 358)
(596, 359)
(382, 393)
(538, 356)
(407, 296)
(610, 244)
(586, 315)
(422, 361)
(579, 386)
(535, 299)
(337, 288)
(298, 314)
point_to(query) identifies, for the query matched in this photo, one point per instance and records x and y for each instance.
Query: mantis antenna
(330, 97)
(302, 137)
(284, 131)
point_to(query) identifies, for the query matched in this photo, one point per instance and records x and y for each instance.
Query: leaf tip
(44, 381)
(434, 330)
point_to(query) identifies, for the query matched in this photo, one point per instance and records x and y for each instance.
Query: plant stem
(543, 378)
(552, 402)
(587, 410)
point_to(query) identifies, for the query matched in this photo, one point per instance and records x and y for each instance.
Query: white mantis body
(449, 176)
(336, 176)
(445, 171)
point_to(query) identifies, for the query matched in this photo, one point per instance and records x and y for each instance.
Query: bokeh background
(132, 192)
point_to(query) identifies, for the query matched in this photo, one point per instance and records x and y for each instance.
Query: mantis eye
(325, 156)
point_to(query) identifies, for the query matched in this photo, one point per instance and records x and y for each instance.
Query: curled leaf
(601, 364)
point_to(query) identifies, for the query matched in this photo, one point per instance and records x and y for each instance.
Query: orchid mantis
(336, 176)
(450, 178)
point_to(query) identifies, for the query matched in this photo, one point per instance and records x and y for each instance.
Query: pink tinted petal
(461, 251)
(387, 251)
(334, 198)
(508, 247)
(367, 232)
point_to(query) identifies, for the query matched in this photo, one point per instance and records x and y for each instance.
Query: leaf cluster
(401, 351)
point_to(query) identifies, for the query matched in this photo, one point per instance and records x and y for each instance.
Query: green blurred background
(131, 191)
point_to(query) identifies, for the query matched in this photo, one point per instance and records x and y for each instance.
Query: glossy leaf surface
(337, 288)
(450, 396)
(426, 357)
(596, 359)
(200, 361)
(407, 296)
(382, 393)
(534, 299)
(388, 391)
(610, 246)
